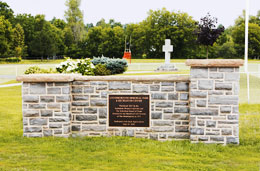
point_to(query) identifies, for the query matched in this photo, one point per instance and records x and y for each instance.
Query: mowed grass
(120, 153)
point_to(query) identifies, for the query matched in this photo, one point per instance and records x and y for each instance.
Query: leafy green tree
(47, 38)
(238, 35)
(6, 37)
(94, 41)
(59, 23)
(74, 19)
(27, 22)
(18, 44)
(6, 11)
(158, 26)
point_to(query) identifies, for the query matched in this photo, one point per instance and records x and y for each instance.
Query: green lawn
(120, 153)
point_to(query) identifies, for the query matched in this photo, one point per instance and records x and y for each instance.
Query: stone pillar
(214, 92)
(46, 106)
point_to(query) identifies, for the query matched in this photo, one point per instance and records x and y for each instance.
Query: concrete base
(167, 67)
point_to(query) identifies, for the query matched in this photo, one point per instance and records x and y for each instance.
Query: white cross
(167, 48)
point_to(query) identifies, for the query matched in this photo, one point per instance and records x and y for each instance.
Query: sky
(134, 11)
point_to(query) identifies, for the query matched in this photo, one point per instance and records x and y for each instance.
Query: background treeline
(28, 36)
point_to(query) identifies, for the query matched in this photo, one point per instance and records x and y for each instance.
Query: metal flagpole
(246, 47)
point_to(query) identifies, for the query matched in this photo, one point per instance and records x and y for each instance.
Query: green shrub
(38, 70)
(82, 66)
(12, 59)
(101, 69)
(116, 66)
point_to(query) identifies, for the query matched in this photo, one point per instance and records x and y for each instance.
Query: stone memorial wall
(202, 107)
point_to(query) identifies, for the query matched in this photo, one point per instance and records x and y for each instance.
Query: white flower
(92, 66)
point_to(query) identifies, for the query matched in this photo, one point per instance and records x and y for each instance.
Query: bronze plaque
(129, 110)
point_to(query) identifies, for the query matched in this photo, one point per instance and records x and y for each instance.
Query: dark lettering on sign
(129, 110)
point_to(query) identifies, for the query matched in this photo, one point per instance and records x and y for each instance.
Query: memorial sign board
(129, 110)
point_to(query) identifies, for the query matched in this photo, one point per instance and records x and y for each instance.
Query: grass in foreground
(120, 153)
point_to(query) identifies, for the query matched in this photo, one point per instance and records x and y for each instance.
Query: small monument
(167, 66)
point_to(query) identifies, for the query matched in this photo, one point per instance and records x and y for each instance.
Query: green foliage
(18, 40)
(38, 70)
(83, 66)
(148, 36)
(238, 35)
(74, 19)
(6, 37)
(116, 66)
(11, 59)
(101, 69)
(6, 11)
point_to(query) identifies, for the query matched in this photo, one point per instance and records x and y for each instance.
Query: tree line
(28, 36)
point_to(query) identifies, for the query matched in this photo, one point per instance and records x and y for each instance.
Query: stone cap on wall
(46, 77)
(78, 77)
(215, 62)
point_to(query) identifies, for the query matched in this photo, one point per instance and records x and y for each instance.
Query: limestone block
(99, 102)
(223, 86)
(37, 88)
(211, 124)
(216, 76)
(232, 140)
(196, 131)
(54, 90)
(80, 97)
(154, 87)
(102, 113)
(173, 96)
(37, 106)
(206, 111)
(225, 109)
(119, 85)
(163, 123)
(205, 84)
(182, 129)
(90, 110)
(30, 113)
(199, 73)
(86, 117)
(223, 100)
(30, 99)
(140, 88)
(47, 99)
(156, 115)
(93, 128)
(198, 94)
(77, 90)
(46, 113)
(158, 96)
(63, 98)
(32, 129)
(181, 109)
(182, 86)
(88, 89)
(184, 96)
(164, 104)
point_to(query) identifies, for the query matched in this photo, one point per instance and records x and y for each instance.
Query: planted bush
(101, 69)
(38, 70)
(12, 59)
(116, 66)
(82, 66)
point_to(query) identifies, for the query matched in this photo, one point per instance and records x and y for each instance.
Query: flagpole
(246, 47)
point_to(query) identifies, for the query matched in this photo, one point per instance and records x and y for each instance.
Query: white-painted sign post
(167, 48)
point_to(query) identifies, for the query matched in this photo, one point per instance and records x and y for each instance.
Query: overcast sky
(133, 11)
